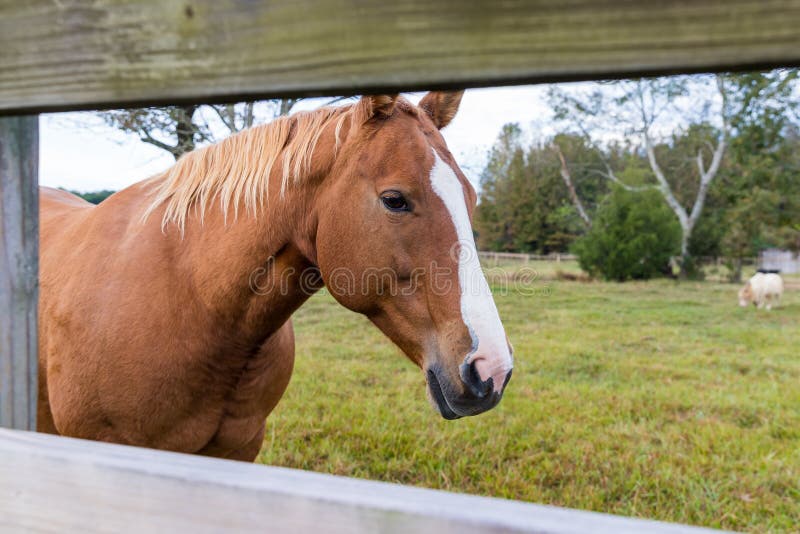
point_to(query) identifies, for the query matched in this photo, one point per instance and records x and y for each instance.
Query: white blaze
(490, 350)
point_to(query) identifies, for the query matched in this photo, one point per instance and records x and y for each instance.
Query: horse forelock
(236, 171)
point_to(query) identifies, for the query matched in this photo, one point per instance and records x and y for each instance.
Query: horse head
(394, 242)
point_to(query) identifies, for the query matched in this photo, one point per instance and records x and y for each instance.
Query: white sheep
(763, 289)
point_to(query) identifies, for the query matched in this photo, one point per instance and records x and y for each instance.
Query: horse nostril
(472, 380)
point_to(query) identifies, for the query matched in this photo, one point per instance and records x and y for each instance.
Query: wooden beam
(82, 54)
(19, 270)
(52, 484)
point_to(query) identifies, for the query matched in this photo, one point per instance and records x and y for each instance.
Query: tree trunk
(686, 234)
(185, 130)
(687, 265)
(736, 274)
(286, 105)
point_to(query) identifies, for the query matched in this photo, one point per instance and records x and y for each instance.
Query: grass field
(658, 399)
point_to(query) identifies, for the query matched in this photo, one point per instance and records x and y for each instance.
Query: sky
(79, 152)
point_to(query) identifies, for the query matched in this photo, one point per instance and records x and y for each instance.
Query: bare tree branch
(725, 111)
(609, 175)
(663, 184)
(700, 164)
(145, 136)
(706, 177)
(286, 105)
(227, 115)
(248, 116)
(567, 176)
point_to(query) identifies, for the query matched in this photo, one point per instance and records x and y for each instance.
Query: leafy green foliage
(524, 204)
(634, 235)
(761, 190)
(753, 225)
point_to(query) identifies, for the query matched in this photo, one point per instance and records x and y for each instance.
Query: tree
(751, 227)
(523, 203)
(584, 185)
(761, 186)
(493, 218)
(633, 236)
(179, 129)
(643, 108)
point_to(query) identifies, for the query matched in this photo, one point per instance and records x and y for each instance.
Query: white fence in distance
(496, 256)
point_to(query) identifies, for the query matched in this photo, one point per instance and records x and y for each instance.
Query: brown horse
(164, 313)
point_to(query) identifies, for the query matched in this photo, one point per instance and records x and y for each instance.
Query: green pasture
(660, 399)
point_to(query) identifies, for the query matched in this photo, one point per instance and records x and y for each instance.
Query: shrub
(633, 236)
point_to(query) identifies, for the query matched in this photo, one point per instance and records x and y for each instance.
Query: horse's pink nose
(491, 365)
(497, 377)
(474, 396)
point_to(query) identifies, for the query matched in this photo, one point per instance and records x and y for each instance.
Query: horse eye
(394, 201)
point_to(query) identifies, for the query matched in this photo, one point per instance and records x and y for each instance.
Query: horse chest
(260, 382)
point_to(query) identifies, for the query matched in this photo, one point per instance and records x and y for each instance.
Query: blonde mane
(237, 169)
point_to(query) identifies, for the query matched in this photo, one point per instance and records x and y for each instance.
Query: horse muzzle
(471, 397)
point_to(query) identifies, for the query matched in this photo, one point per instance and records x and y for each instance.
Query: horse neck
(251, 273)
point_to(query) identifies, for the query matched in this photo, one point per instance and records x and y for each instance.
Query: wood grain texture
(81, 54)
(19, 270)
(52, 484)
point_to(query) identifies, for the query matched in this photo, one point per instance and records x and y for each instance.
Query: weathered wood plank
(19, 270)
(51, 484)
(80, 54)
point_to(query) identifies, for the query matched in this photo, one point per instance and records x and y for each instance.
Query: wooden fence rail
(51, 484)
(81, 54)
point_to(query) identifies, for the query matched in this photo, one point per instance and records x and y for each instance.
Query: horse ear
(441, 106)
(381, 106)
